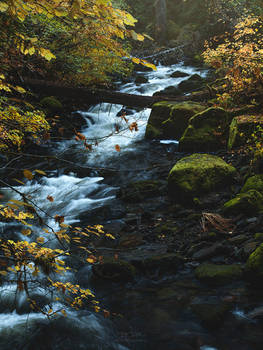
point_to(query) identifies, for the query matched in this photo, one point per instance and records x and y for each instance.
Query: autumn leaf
(28, 174)
(50, 198)
(59, 219)
(117, 148)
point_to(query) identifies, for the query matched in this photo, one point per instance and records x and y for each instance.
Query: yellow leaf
(26, 232)
(40, 240)
(3, 6)
(63, 313)
(28, 174)
(3, 273)
(136, 60)
(41, 172)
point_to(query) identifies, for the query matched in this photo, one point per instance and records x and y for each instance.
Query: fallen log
(94, 96)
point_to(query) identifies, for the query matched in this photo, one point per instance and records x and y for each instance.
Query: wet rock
(179, 74)
(259, 236)
(140, 190)
(198, 174)
(247, 203)
(195, 82)
(249, 248)
(241, 129)
(253, 183)
(114, 270)
(209, 252)
(206, 131)
(169, 91)
(218, 274)
(211, 312)
(238, 239)
(51, 104)
(140, 79)
(170, 119)
(254, 266)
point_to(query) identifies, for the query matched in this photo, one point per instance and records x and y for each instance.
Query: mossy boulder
(114, 270)
(218, 274)
(259, 236)
(170, 119)
(241, 129)
(254, 265)
(51, 104)
(140, 190)
(247, 203)
(253, 183)
(198, 174)
(206, 131)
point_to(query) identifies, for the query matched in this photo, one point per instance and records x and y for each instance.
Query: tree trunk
(160, 20)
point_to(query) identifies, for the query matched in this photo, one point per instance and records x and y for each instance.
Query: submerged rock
(218, 274)
(206, 131)
(198, 174)
(170, 119)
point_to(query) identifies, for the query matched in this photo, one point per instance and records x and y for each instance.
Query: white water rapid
(73, 198)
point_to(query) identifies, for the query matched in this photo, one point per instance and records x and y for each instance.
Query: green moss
(253, 183)
(140, 190)
(198, 174)
(259, 236)
(51, 104)
(206, 131)
(218, 274)
(114, 270)
(254, 264)
(247, 203)
(170, 119)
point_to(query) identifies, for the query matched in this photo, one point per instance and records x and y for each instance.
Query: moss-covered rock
(198, 174)
(206, 131)
(254, 265)
(241, 129)
(170, 119)
(248, 203)
(218, 274)
(253, 183)
(259, 236)
(114, 270)
(51, 104)
(140, 190)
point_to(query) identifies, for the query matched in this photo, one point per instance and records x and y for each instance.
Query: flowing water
(75, 198)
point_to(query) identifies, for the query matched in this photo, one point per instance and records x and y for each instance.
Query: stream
(154, 310)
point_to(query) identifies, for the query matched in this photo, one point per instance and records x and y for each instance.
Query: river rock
(51, 104)
(179, 74)
(253, 183)
(218, 274)
(198, 174)
(209, 252)
(247, 203)
(206, 131)
(210, 312)
(241, 129)
(254, 266)
(169, 91)
(114, 270)
(140, 79)
(140, 190)
(195, 82)
(170, 119)
(259, 236)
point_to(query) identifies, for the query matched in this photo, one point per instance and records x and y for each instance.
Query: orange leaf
(50, 198)
(117, 148)
(28, 174)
